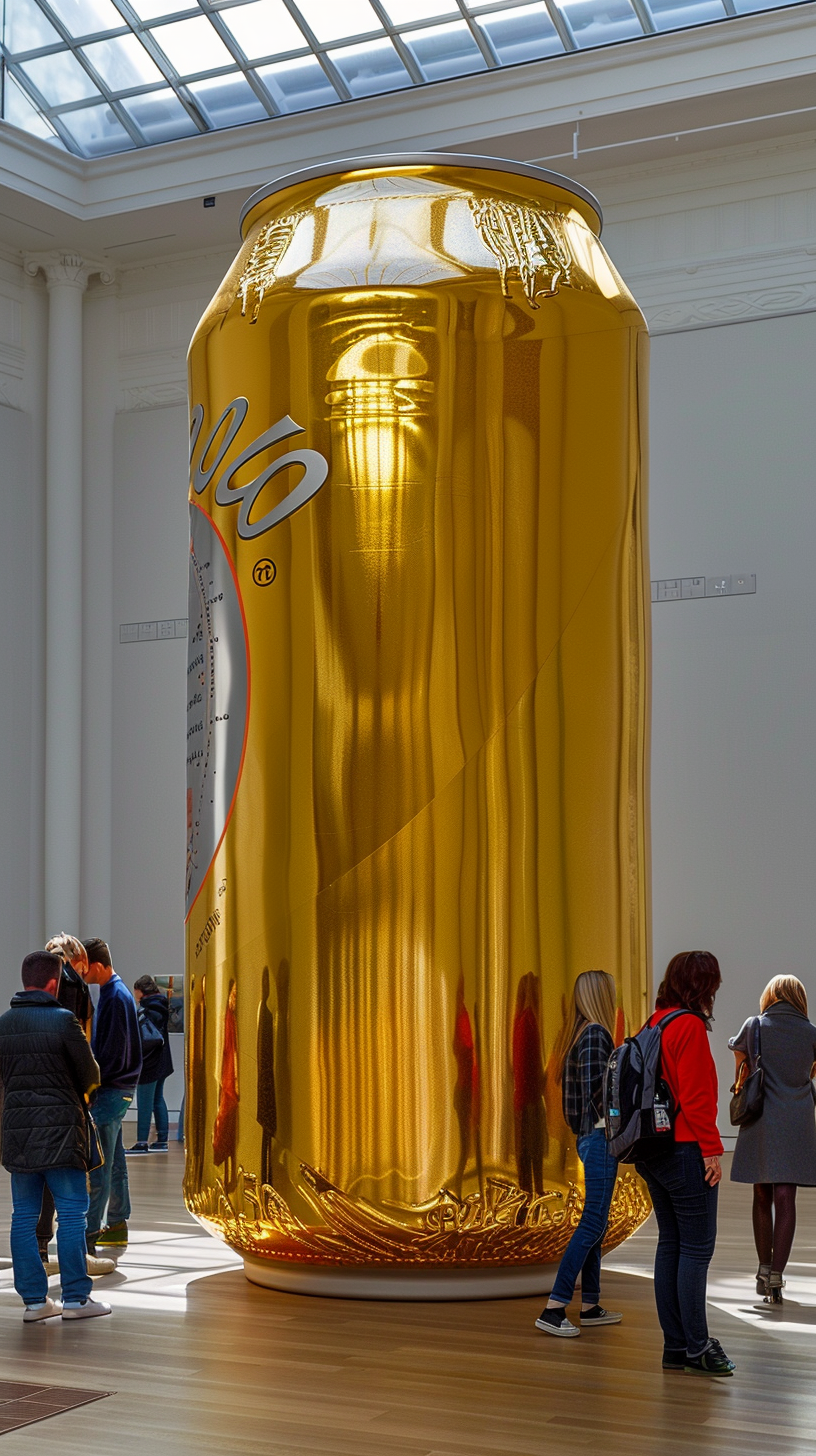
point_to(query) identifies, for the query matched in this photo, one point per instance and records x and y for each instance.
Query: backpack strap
(673, 1015)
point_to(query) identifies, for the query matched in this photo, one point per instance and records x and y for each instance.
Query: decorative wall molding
(152, 396)
(12, 353)
(732, 308)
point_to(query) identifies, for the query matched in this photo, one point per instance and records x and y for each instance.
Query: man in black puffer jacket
(47, 1071)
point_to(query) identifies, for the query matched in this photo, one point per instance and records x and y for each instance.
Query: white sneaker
(97, 1267)
(49, 1310)
(88, 1310)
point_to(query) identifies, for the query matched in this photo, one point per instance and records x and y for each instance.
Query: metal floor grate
(22, 1404)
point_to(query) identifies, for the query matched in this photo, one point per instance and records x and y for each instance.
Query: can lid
(420, 159)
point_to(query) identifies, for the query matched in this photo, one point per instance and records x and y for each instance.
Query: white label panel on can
(217, 688)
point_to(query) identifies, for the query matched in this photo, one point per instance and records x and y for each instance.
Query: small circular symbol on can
(264, 572)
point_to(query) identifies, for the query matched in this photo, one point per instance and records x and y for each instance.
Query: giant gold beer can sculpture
(417, 721)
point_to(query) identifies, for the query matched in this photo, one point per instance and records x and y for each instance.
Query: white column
(67, 277)
(101, 345)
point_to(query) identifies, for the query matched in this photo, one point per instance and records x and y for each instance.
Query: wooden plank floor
(203, 1362)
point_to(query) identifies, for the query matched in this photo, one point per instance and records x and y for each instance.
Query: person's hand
(713, 1171)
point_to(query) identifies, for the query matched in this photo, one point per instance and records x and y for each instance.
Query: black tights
(774, 1216)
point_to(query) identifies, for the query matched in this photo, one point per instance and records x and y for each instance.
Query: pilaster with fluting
(66, 276)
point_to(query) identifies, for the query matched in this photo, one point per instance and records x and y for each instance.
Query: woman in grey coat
(777, 1153)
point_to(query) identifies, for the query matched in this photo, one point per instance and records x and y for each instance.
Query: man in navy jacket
(47, 1071)
(117, 1047)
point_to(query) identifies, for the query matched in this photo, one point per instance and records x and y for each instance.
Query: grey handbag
(748, 1092)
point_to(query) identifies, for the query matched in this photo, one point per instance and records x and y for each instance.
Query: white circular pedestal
(396, 1283)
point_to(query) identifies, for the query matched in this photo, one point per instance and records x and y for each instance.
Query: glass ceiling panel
(335, 50)
(336, 19)
(298, 85)
(59, 78)
(408, 12)
(96, 130)
(122, 62)
(370, 68)
(600, 22)
(155, 9)
(160, 116)
(27, 28)
(228, 101)
(523, 34)
(445, 50)
(675, 14)
(86, 17)
(264, 28)
(23, 113)
(192, 45)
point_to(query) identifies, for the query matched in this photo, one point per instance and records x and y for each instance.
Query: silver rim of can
(421, 159)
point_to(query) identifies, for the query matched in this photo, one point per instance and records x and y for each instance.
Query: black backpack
(639, 1109)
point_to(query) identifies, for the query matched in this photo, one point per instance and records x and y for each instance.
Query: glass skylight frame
(125, 132)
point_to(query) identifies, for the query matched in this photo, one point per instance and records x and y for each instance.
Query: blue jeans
(150, 1100)
(583, 1252)
(109, 1184)
(69, 1187)
(686, 1210)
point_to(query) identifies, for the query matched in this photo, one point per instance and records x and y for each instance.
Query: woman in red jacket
(683, 1177)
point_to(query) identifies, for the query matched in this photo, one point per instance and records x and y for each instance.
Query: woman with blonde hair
(591, 1043)
(777, 1152)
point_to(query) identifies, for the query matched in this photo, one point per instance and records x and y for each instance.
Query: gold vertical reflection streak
(374, 630)
(440, 819)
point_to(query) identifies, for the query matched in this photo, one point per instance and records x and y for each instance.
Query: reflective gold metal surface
(417, 714)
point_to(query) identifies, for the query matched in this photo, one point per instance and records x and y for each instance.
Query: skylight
(102, 76)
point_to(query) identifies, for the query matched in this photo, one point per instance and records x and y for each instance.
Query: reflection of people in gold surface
(195, 1112)
(267, 1113)
(528, 1085)
(225, 1131)
(466, 1090)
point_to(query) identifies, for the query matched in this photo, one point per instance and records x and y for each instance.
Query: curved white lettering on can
(315, 465)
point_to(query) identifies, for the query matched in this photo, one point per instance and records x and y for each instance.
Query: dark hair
(98, 950)
(692, 980)
(41, 967)
(147, 986)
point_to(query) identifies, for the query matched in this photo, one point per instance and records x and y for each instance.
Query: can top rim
(420, 159)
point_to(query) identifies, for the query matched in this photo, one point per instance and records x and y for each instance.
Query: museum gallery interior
(406, 454)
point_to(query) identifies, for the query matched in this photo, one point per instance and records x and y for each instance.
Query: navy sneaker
(673, 1359)
(710, 1361)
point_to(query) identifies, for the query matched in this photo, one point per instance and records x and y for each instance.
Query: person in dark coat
(777, 1153)
(267, 1113)
(47, 1071)
(157, 1066)
(73, 994)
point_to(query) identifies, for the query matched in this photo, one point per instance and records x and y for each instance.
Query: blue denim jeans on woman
(583, 1252)
(69, 1187)
(109, 1184)
(149, 1102)
(686, 1211)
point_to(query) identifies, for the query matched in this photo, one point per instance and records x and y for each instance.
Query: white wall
(734, 724)
(150, 555)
